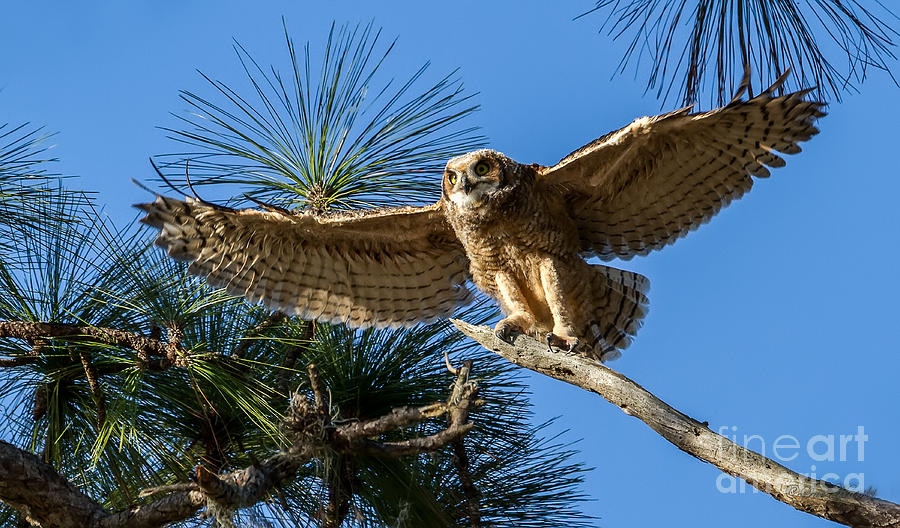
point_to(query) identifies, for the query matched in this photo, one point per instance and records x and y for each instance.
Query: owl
(519, 233)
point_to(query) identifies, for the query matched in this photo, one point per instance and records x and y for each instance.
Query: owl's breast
(515, 239)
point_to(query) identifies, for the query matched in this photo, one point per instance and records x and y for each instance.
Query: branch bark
(460, 415)
(340, 493)
(815, 497)
(40, 494)
(111, 336)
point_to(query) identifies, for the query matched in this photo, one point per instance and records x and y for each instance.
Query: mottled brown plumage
(520, 233)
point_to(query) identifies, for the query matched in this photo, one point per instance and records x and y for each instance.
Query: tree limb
(40, 494)
(31, 331)
(816, 497)
(168, 509)
(413, 446)
(340, 493)
(96, 391)
(459, 415)
(397, 418)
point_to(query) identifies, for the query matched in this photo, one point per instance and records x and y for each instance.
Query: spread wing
(378, 267)
(650, 183)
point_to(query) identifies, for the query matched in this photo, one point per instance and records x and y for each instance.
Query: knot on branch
(40, 401)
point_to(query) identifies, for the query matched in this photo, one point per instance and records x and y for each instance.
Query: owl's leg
(519, 318)
(563, 334)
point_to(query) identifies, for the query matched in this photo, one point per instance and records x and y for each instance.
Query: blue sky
(777, 318)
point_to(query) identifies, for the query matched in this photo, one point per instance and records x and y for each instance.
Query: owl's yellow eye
(452, 178)
(482, 168)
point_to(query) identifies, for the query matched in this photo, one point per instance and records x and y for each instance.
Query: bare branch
(168, 488)
(397, 418)
(414, 446)
(252, 484)
(459, 415)
(450, 367)
(816, 497)
(315, 384)
(171, 508)
(34, 331)
(43, 497)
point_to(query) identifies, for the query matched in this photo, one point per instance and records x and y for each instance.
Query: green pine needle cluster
(26, 186)
(700, 45)
(333, 133)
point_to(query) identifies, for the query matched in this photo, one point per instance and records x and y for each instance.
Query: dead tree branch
(459, 415)
(815, 497)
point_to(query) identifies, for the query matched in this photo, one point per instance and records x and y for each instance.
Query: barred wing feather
(642, 187)
(376, 267)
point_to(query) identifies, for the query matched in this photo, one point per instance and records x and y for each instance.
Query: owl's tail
(619, 300)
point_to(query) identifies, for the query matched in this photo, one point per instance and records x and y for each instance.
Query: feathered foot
(508, 328)
(567, 343)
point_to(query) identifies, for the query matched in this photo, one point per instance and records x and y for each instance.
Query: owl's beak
(467, 185)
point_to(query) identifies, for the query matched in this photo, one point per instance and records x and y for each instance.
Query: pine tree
(140, 385)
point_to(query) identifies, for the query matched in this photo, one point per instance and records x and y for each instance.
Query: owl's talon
(549, 340)
(507, 331)
(574, 344)
(569, 344)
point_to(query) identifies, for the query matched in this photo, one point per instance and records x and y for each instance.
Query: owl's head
(472, 179)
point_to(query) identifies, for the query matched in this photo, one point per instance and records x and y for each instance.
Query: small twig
(315, 384)
(450, 366)
(96, 391)
(17, 361)
(256, 332)
(168, 488)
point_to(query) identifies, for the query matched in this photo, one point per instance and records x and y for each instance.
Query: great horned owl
(520, 233)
